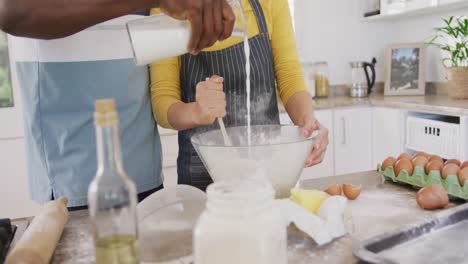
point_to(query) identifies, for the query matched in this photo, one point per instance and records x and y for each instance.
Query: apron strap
(260, 16)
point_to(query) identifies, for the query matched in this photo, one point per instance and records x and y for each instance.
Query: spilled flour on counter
(376, 211)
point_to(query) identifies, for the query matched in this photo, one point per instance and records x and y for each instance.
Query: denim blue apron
(230, 64)
(60, 81)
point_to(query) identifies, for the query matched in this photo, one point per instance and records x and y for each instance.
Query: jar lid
(357, 64)
(244, 188)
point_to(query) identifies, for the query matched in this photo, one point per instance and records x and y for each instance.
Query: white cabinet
(387, 133)
(326, 168)
(464, 139)
(170, 151)
(353, 140)
(15, 201)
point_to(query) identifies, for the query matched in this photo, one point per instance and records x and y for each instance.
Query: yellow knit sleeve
(165, 88)
(155, 11)
(288, 70)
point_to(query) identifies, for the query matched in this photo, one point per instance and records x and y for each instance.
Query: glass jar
(309, 78)
(322, 81)
(241, 224)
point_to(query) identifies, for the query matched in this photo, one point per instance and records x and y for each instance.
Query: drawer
(170, 176)
(169, 161)
(426, 133)
(170, 145)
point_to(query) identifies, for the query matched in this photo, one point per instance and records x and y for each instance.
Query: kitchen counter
(381, 207)
(429, 103)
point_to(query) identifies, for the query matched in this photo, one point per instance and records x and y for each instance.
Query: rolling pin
(38, 242)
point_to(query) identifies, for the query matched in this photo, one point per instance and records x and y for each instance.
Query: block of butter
(309, 199)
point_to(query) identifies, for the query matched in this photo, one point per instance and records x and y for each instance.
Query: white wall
(334, 31)
(15, 201)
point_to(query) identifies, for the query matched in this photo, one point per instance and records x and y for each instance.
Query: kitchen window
(6, 89)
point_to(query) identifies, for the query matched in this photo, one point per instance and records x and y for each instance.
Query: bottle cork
(105, 106)
(106, 113)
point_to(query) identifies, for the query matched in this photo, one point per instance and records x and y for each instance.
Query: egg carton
(420, 179)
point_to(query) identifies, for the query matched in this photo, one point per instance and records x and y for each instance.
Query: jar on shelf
(241, 224)
(309, 77)
(322, 81)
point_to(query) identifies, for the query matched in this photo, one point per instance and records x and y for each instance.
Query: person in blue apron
(61, 79)
(184, 101)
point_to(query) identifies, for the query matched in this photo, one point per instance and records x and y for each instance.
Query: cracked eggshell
(352, 191)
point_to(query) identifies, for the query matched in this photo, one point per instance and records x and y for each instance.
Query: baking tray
(441, 239)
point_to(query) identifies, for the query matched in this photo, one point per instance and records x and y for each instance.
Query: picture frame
(405, 69)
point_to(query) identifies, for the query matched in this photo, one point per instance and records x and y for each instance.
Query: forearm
(300, 108)
(182, 116)
(49, 19)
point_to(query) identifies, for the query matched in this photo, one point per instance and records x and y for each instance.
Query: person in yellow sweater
(184, 99)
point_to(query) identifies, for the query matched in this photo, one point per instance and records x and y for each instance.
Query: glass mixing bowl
(277, 154)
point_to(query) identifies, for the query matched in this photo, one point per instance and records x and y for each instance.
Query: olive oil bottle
(112, 195)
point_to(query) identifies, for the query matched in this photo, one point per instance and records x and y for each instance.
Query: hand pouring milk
(159, 37)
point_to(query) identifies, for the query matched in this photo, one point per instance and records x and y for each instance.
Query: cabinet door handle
(343, 124)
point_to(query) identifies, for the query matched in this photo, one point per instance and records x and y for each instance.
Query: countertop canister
(241, 224)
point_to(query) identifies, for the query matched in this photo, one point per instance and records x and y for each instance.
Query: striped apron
(230, 64)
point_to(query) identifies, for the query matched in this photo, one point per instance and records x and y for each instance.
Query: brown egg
(434, 165)
(390, 161)
(464, 165)
(432, 197)
(403, 164)
(351, 191)
(463, 176)
(420, 161)
(453, 161)
(450, 169)
(333, 190)
(436, 157)
(421, 153)
(405, 156)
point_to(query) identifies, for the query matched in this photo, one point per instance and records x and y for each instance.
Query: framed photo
(6, 87)
(405, 68)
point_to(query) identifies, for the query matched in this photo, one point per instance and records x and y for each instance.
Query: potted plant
(453, 39)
